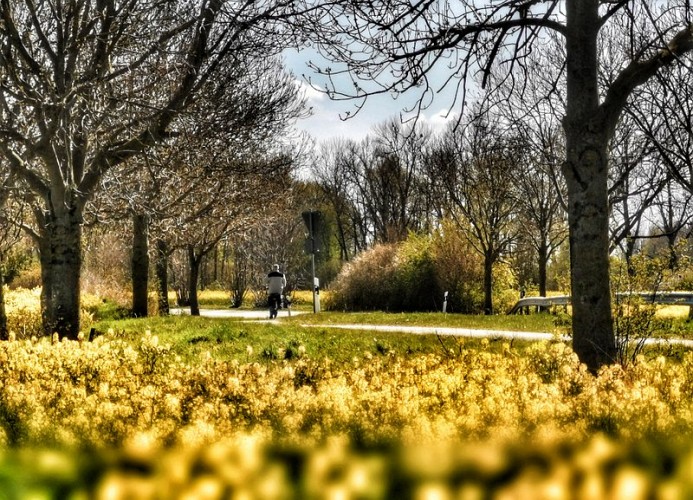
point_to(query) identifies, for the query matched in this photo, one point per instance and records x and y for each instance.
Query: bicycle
(274, 302)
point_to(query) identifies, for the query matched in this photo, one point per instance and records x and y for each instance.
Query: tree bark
(588, 214)
(543, 261)
(161, 269)
(4, 334)
(488, 285)
(585, 170)
(61, 262)
(140, 265)
(193, 278)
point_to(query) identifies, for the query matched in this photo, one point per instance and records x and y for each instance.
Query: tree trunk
(488, 285)
(630, 251)
(46, 286)
(140, 266)
(543, 261)
(161, 269)
(342, 241)
(588, 214)
(4, 334)
(215, 265)
(61, 262)
(585, 169)
(673, 256)
(193, 278)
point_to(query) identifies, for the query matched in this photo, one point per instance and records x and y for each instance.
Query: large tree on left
(87, 84)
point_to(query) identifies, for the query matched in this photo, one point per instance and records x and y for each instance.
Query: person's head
(275, 267)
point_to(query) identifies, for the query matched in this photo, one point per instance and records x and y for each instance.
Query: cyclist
(276, 281)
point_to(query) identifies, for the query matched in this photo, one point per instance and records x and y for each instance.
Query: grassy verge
(529, 323)
(310, 336)
(258, 341)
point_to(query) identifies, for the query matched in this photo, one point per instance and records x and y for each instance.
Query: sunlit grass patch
(527, 323)
(259, 341)
(673, 311)
(214, 298)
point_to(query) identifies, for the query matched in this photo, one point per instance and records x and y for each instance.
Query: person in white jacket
(276, 281)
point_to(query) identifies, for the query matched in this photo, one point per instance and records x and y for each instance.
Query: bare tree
(475, 165)
(539, 206)
(636, 182)
(88, 85)
(232, 137)
(334, 182)
(337, 172)
(672, 215)
(395, 45)
(387, 177)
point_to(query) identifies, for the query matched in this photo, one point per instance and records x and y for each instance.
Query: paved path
(417, 330)
(236, 313)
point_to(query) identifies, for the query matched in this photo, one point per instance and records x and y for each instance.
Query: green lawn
(310, 334)
(290, 338)
(526, 323)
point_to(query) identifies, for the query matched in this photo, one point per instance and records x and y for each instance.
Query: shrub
(505, 288)
(391, 278)
(416, 278)
(28, 278)
(459, 269)
(414, 275)
(24, 312)
(366, 282)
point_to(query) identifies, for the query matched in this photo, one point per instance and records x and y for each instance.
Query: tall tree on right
(397, 45)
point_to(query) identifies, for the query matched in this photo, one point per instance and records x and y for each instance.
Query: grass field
(260, 341)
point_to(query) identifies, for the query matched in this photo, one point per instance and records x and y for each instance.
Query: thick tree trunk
(585, 169)
(162, 277)
(488, 285)
(140, 265)
(588, 214)
(543, 261)
(61, 262)
(46, 286)
(193, 279)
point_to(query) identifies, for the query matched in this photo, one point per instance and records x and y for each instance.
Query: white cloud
(440, 120)
(312, 94)
(326, 120)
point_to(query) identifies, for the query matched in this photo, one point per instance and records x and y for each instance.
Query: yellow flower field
(131, 420)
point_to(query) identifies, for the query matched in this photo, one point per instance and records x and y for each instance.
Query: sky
(327, 120)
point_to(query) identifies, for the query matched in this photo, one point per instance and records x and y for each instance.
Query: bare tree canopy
(397, 46)
(86, 85)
